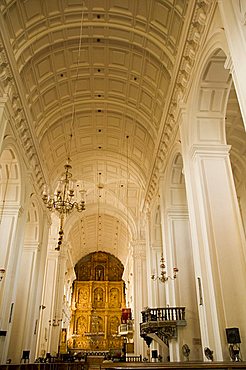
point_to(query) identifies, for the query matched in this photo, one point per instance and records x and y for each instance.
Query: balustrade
(163, 314)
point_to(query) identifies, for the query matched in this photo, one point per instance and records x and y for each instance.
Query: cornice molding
(206, 150)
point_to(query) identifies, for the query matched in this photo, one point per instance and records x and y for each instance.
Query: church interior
(122, 181)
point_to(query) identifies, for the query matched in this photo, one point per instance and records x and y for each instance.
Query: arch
(176, 182)
(173, 181)
(10, 178)
(208, 107)
(33, 222)
(10, 145)
(209, 94)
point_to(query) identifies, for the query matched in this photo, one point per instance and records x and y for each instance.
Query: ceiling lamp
(163, 275)
(62, 200)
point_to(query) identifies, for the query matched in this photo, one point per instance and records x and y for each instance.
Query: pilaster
(140, 289)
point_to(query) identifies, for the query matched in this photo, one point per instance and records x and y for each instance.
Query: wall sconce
(163, 278)
(2, 273)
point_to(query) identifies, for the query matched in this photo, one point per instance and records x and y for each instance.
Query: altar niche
(98, 298)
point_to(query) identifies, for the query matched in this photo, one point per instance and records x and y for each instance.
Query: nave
(123, 180)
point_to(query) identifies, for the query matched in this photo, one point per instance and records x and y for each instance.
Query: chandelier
(163, 275)
(62, 200)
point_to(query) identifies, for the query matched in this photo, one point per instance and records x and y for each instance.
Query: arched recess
(217, 239)
(208, 103)
(177, 251)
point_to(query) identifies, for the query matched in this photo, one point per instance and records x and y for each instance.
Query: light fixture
(163, 275)
(2, 273)
(62, 199)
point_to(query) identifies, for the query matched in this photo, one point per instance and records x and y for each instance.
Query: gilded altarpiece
(98, 299)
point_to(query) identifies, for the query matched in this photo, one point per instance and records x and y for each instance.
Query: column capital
(210, 150)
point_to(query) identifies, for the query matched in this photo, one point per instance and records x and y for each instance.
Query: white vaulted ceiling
(96, 78)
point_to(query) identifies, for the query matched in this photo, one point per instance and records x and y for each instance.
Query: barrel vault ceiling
(96, 78)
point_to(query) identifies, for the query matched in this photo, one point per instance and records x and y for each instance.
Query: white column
(51, 316)
(156, 293)
(140, 291)
(19, 336)
(218, 245)
(11, 241)
(233, 17)
(49, 298)
(151, 295)
(58, 304)
(28, 298)
(177, 250)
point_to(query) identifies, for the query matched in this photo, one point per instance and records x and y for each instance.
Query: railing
(134, 358)
(163, 314)
(40, 366)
